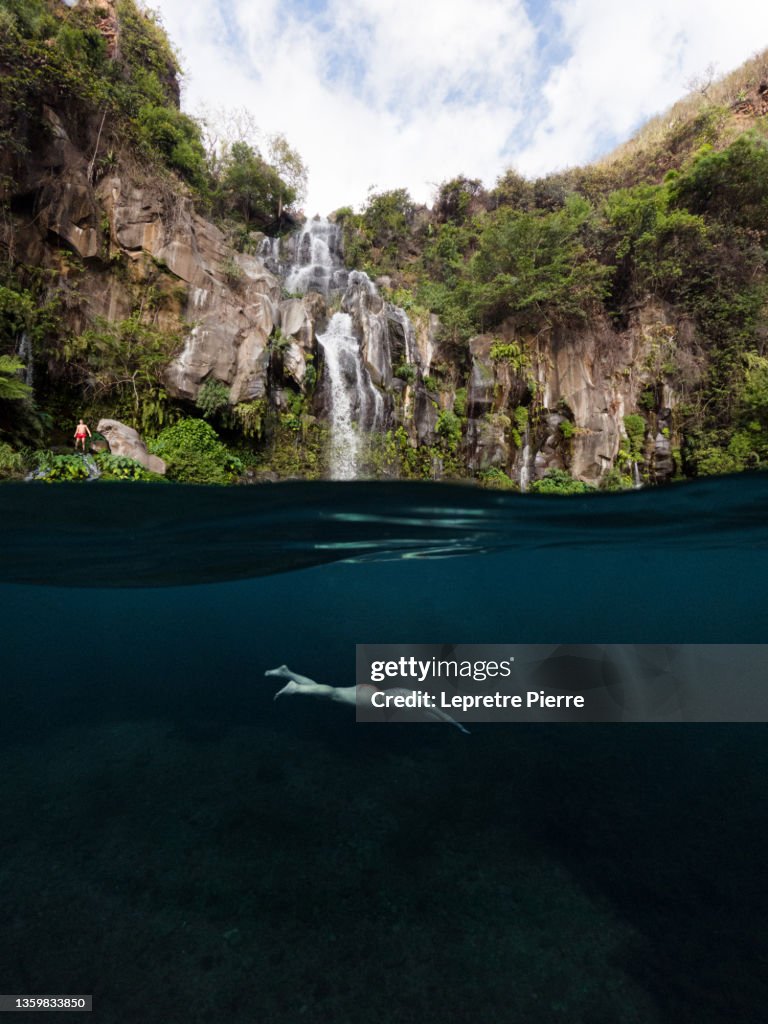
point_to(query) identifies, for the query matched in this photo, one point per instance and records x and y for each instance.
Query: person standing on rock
(81, 432)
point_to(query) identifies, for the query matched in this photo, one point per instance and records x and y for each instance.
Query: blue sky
(409, 93)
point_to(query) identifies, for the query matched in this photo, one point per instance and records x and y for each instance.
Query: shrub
(251, 188)
(212, 397)
(406, 372)
(11, 463)
(557, 481)
(454, 198)
(386, 218)
(536, 267)
(460, 403)
(510, 353)
(635, 428)
(615, 480)
(60, 468)
(448, 428)
(12, 387)
(193, 453)
(176, 138)
(120, 467)
(496, 479)
(250, 417)
(126, 358)
(731, 184)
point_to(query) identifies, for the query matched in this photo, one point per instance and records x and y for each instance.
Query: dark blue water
(186, 849)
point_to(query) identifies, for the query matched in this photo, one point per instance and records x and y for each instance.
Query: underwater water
(186, 849)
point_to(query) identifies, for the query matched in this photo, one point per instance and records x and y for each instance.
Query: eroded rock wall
(131, 231)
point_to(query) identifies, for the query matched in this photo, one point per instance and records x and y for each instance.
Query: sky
(388, 94)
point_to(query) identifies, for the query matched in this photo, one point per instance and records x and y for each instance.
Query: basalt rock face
(561, 405)
(576, 387)
(133, 234)
(229, 298)
(300, 320)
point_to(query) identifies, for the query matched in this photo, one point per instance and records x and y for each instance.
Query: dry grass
(714, 111)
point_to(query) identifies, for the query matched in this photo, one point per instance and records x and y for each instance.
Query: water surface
(169, 830)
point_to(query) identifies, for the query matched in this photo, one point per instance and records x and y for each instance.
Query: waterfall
(525, 461)
(637, 481)
(358, 343)
(269, 253)
(24, 352)
(401, 317)
(93, 470)
(356, 406)
(317, 262)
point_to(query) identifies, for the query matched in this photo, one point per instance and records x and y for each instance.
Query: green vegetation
(194, 454)
(66, 57)
(12, 387)
(496, 479)
(119, 467)
(376, 236)
(123, 361)
(557, 481)
(11, 463)
(533, 257)
(678, 217)
(250, 189)
(58, 468)
(406, 372)
(635, 428)
(212, 398)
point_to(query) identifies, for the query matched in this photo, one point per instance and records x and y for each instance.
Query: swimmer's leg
(283, 672)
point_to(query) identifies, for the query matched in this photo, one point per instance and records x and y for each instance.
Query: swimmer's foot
(287, 690)
(282, 672)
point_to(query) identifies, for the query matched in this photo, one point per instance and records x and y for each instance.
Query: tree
(223, 129)
(536, 266)
(252, 188)
(289, 165)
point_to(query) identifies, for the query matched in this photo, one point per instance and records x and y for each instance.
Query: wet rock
(482, 379)
(369, 316)
(487, 442)
(662, 459)
(424, 414)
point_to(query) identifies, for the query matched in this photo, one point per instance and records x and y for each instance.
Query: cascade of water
(269, 252)
(525, 461)
(403, 319)
(356, 406)
(637, 481)
(317, 263)
(93, 470)
(24, 352)
(356, 345)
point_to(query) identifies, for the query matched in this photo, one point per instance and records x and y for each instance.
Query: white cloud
(409, 93)
(629, 62)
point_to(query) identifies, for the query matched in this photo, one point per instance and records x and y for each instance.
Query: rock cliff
(291, 336)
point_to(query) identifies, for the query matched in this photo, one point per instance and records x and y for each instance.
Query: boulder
(126, 441)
